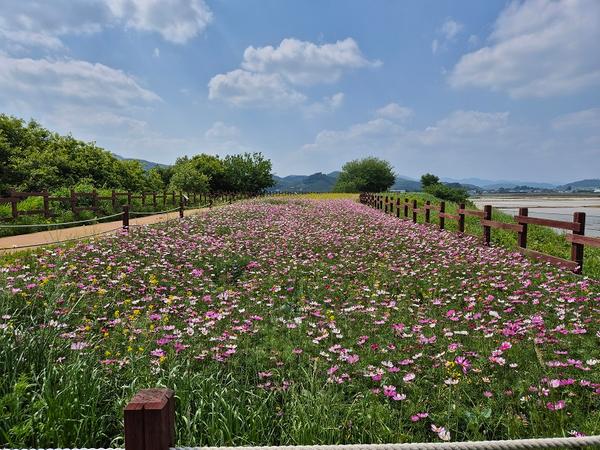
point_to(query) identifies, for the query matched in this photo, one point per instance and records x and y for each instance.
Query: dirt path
(32, 240)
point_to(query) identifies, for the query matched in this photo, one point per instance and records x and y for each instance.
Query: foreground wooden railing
(577, 236)
(150, 425)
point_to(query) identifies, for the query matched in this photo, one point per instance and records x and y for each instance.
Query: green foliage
(33, 158)
(186, 177)
(445, 192)
(539, 238)
(248, 172)
(429, 179)
(365, 175)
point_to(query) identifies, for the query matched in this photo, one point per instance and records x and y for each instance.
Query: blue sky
(492, 89)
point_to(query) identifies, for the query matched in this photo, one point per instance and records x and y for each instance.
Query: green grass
(539, 238)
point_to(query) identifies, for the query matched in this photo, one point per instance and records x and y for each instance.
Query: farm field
(294, 321)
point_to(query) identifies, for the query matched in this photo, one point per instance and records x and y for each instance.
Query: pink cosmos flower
(419, 416)
(442, 433)
(556, 406)
(409, 377)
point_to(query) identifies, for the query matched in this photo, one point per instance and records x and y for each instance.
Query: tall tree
(365, 175)
(248, 172)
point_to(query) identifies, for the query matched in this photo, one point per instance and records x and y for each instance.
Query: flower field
(294, 322)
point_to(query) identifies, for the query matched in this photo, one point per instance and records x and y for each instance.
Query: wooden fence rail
(577, 236)
(78, 202)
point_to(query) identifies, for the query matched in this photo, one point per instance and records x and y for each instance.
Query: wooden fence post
(487, 230)
(398, 207)
(442, 212)
(386, 205)
(414, 208)
(95, 201)
(14, 209)
(405, 208)
(46, 204)
(129, 198)
(113, 199)
(461, 218)
(522, 235)
(427, 211)
(181, 209)
(150, 420)
(577, 249)
(126, 217)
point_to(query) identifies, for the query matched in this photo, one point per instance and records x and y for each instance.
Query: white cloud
(588, 118)
(451, 28)
(306, 63)
(327, 105)
(244, 89)
(177, 21)
(41, 79)
(269, 74)
(220, 130)
(539, 48)
(394, 111)
(448, 31)
(463, 143)
(25, 25)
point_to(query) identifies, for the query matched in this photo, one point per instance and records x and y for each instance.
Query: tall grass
(539, 238)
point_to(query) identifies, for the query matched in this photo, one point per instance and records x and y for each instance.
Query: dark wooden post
(126, 217)
(386, 205)
(442, 212)
(461, 218)
(522, 235)
(398, 207)
(95, 200)
(414, 208)
(181, 209)
(406, 208)
(577, 249)
(113, 199)
(150, 420)
(73, 201)
(46, 204)
(427, 211)
(129, 198)
(13, 206)
(487, 230)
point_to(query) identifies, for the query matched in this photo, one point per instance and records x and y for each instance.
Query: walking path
(11, 244)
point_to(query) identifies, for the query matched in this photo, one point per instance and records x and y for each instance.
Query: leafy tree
(365, 175)
(444, 192)
(429, 179)
(248, 172)
(188, 179)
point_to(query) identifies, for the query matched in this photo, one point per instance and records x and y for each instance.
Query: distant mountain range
(497, 184)
(146, 164)
(591, 183)
(317, 182)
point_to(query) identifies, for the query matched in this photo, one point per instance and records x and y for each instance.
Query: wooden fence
(410, 209)
(90, 201)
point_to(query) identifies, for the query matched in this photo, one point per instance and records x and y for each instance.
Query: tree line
(33, 158)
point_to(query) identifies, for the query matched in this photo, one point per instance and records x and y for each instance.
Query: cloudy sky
(494, 89)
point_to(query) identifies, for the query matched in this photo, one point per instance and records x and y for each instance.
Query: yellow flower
(107, 353)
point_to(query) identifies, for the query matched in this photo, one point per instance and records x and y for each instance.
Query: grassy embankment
(539, 238)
